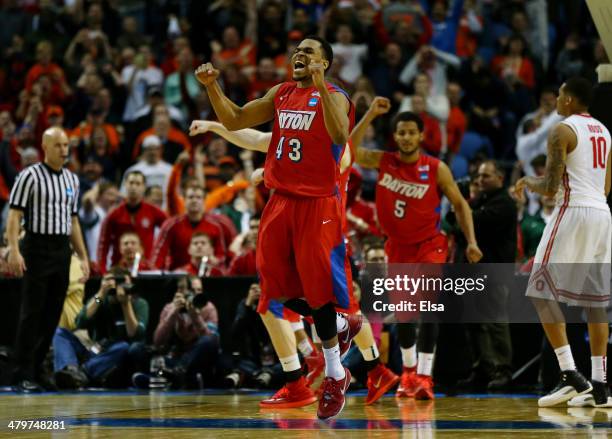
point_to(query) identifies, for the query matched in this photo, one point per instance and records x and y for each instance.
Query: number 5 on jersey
(400, 208)
(295, 155)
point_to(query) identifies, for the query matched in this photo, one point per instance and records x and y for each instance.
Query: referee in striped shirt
(45, 195)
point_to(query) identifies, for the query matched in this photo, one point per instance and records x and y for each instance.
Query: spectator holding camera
(116, 320)
(187, 332)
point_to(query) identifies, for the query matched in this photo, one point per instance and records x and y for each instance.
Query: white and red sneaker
(333, 396)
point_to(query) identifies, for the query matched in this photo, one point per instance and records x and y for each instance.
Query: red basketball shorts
(301, 252)
(419, 255)
(430, 251)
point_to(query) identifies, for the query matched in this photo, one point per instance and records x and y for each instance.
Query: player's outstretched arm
(247, 138)
(231, 115)
(463, 212)
(365, 157)
(560, 141)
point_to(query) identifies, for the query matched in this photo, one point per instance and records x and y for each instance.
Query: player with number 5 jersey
(408, 194)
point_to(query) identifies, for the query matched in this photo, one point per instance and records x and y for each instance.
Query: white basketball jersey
(584, 180)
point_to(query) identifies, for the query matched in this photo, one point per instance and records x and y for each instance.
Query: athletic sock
(425, 365)
(370, 353)
(598, 369)
(409, 356)
(292, 369)
(333, 366)
(305, 347)
(565, 358)
(341, 322)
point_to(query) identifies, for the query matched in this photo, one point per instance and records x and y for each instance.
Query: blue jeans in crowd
(68, 350)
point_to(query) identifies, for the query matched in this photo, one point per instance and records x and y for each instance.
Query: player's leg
(407, 335)
(380, 378)
(315, 362)
(599, 333)
(426, 346)
(295, 392)
(320, 256)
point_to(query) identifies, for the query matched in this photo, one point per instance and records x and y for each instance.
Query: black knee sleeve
(325, 321)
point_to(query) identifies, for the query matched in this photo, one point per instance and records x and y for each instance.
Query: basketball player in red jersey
(408, 193)
(380, 378)
(301, 249)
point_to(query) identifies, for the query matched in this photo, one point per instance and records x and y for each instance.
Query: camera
(197, 300)
(120, 282)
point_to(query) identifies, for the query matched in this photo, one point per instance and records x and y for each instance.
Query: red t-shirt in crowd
(172, 245)
(193, 270)
(143, 219)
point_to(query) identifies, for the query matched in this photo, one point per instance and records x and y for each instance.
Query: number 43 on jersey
(295, 149)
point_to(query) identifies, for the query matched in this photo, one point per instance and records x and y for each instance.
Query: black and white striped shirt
(47, 197)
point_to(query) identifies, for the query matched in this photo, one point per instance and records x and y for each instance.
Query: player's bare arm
(363, 156)
(231, 115)
(463, 212)
(560, 141)
(247, 138)
(335, 106)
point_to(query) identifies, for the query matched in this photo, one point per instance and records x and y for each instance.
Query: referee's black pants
(43, 289)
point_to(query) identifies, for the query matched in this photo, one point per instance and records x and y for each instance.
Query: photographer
(187, 331)
(254, 362)
(116, 320)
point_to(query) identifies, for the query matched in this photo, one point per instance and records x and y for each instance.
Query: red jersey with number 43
(302, 159)
(408, 198)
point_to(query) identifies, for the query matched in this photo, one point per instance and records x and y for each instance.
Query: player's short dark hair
(408, 116)
(581, 89)
(327, 48)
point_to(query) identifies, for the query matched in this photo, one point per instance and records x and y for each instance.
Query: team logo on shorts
(313, 102)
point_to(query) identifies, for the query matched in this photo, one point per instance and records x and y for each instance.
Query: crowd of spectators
(118, 77)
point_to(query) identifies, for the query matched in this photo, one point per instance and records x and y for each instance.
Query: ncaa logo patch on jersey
(69, 192)
(424, 176)
(313, 102)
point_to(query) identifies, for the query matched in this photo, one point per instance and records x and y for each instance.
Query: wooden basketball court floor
(223, 415)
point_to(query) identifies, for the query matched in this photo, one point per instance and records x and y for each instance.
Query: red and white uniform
(301, 250)
(408, 207)
(572, 262)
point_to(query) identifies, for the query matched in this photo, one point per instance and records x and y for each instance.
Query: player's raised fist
(199, 127)
(473, 253)
(380, 106)
(206, 74)
(317, 71)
